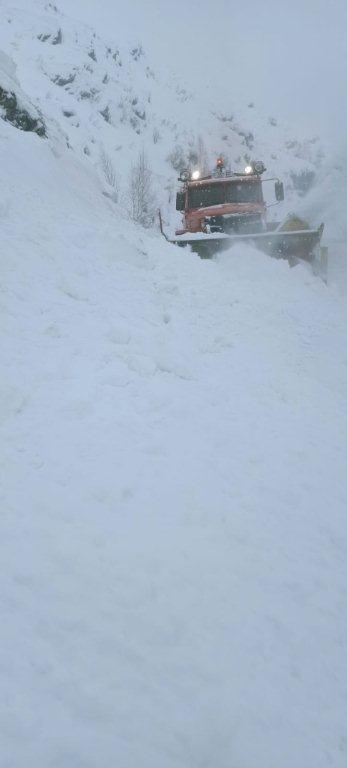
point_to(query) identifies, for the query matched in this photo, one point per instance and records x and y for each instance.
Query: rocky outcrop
(14, 113)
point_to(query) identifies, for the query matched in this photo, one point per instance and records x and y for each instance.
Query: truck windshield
(204, 195)
(243, 192)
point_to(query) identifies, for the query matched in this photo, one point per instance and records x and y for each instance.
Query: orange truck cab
(224, 201)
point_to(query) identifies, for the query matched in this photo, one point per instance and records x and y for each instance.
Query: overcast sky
(289, 57)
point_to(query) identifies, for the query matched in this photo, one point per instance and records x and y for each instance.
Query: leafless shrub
(178, 159)
(202, 156)
(110, 174)
(140, 194)
(303, 181)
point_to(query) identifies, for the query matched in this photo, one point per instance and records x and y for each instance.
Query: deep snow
(173, 441)
(173, 491)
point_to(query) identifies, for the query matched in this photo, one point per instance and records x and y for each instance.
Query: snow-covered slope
(173, 495)
(173, 453)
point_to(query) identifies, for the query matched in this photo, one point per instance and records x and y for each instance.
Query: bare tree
(110, 175)
(141, 196)
(178, 159)
(202, 155)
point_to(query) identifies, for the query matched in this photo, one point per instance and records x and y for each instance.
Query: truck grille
(233, 223)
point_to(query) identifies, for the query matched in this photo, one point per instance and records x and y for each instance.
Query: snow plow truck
(225, 207)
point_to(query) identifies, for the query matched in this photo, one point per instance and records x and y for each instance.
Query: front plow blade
(301, 244)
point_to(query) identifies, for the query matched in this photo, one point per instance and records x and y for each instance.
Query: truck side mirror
(279, 191)
(180, 201)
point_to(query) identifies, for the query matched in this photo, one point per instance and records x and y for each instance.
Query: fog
(290, 58)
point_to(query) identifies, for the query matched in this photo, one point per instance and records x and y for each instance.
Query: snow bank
(173, 491)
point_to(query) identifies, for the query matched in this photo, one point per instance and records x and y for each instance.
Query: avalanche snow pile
(173, 491)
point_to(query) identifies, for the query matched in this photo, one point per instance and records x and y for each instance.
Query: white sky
(289, 57)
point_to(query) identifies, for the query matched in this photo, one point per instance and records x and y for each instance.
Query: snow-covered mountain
(102, 96)
(173, 442)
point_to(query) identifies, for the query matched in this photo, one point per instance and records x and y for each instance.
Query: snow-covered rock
(14, 106)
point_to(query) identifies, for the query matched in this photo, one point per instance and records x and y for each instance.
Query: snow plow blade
(292, 245)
